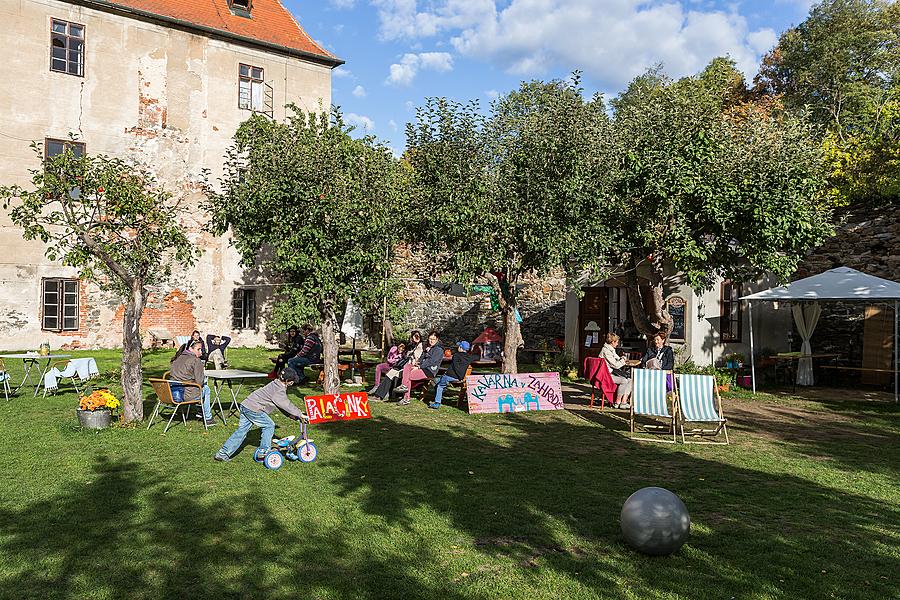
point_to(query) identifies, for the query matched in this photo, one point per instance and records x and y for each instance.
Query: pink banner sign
(501, 392)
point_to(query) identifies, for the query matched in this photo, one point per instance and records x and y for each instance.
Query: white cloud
(403, 72)
(359, 91)
(612, 41)
(343, 4)
(341, 72)
(492, 94)
(410, 106)
(393, 125)
(360, 122)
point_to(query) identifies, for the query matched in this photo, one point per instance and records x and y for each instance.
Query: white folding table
(221, 378)
(33, 361)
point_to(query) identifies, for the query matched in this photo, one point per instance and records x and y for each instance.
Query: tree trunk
(650, 315)
(330, 350)
(513, 337)
(132, 374)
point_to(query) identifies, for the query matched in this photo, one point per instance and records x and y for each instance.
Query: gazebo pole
(753, 360)
(896, 354)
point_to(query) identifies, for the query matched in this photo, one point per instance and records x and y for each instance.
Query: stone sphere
(655, 521)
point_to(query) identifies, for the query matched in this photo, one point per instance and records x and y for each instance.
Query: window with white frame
(243, 309)
(66, 47)
(250, 88)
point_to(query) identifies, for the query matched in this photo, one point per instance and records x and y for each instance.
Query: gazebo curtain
(806, 318)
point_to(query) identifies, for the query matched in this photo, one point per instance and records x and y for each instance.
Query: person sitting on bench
(459, 364)
(310, 353)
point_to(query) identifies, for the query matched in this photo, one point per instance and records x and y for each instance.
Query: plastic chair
(699, 402)
(170, 394)
(650, 400)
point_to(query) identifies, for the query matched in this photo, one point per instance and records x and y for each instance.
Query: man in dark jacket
(188, 366)
(459, 364)
(427, 367)
(309, 354)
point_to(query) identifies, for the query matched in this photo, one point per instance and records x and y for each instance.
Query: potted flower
(95, 409)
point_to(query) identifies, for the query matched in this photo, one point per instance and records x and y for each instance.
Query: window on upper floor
(53, 147)
(731, 311)
(59, 304)
(250, 88)
(66, 47)
(240, 8)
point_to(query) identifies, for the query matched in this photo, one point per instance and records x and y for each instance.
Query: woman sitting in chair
(660, 356)
(620, 376)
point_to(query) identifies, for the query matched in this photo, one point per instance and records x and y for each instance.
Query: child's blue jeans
(248, 419)
(442, 384)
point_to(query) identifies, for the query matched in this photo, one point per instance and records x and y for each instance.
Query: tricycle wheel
(307, 452)
(259, 455)
(274, 460)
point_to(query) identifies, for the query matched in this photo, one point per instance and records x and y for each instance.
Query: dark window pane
(51, 285)
(257, 73)
(51, 310)
(76, 31)
(77, 150)
(59, 26)
(58, 42)
(70, 324)
(58, 64)
(245, 70)
(74, 56)
(59, 53)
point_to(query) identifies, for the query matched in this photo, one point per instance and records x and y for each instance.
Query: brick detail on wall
(174, 312)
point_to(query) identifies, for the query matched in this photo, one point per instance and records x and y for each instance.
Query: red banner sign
(338, 407)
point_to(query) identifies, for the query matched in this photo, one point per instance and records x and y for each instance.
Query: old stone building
(164, 82)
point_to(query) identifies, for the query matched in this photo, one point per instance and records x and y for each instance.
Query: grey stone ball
(655, 521)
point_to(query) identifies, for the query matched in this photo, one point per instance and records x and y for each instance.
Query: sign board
(501, 392)
(338, 407)
(676, 308)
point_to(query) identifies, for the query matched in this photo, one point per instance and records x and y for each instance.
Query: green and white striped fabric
(649, 393)
(696, 398)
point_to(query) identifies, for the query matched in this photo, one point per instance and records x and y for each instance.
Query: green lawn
(422, 504)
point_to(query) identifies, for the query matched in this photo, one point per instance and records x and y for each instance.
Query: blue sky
(399, 52)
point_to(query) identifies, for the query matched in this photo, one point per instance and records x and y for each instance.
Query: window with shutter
(59, 305)
(243, 309)
(731, 311)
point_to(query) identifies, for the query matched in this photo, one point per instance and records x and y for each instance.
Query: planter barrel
(94, 419)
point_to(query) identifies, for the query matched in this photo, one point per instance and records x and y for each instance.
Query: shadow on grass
(756, 534)
(128, 534)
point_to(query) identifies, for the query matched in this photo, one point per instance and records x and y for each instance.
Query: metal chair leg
(152, 416)
(174, 412)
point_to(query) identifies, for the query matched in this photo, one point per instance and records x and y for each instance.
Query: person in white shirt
(619, 376)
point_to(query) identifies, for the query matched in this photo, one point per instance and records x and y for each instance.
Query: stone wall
(868, 241)
(448, 308)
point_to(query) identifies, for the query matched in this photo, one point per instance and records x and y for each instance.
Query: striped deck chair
(648, 399)
(699, 402)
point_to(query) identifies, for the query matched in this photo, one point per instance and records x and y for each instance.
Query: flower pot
(724, 388)
(94, 419)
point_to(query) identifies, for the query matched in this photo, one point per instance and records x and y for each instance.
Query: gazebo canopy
(842, 283)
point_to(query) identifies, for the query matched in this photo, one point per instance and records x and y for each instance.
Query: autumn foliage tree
(112, 221)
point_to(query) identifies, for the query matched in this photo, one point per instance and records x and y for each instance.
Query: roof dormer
(240, 8)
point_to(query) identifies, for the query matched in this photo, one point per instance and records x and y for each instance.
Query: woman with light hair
(616, 366)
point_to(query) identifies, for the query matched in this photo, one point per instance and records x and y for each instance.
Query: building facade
(162, 82)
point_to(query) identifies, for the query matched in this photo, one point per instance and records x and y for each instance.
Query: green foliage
(841, 66)
(560, 362)
(107, 218)
(509, 191)
(313, 207)
(710, 185)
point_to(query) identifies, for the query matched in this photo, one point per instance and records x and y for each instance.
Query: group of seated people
(419, 361)
(302, 348)
(213, 350)
(659, 355)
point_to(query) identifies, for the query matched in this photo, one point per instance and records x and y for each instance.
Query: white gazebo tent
(842, 284)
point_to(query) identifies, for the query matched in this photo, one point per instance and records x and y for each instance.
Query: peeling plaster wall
(162, 96)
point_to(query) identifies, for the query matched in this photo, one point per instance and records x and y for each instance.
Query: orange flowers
(99, 399)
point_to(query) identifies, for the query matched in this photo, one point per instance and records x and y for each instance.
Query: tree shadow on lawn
(548, 495)
(128, 533)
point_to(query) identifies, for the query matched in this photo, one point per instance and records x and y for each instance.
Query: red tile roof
(270, 23)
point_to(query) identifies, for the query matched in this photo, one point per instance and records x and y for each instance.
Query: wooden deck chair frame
(702, 432)
(656, 427)
(163, 389)
(462, 386)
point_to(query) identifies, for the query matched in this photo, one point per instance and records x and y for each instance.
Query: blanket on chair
(84, 368)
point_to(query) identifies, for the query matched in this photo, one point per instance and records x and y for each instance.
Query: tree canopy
(840, 67)
(113, 222)
(510, 191)
(711, 184)
(315, 208)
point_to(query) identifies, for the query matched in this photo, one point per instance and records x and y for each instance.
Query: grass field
(415, 503)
